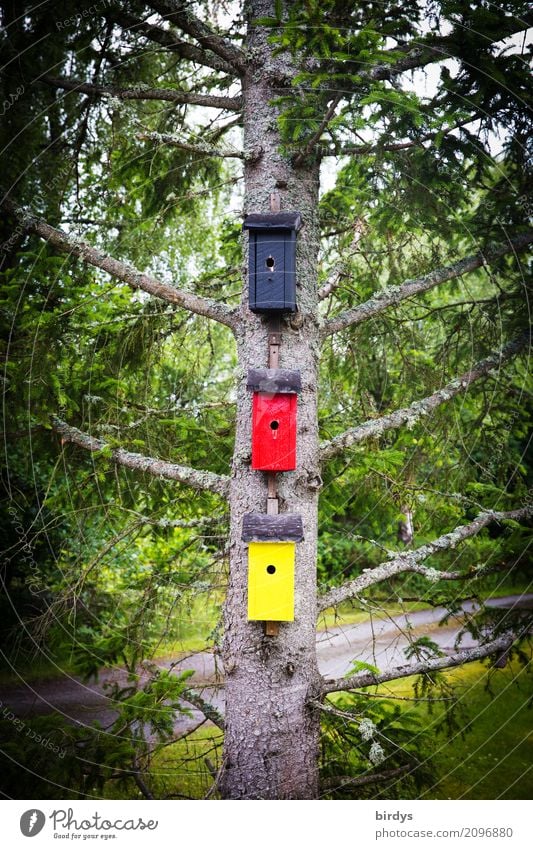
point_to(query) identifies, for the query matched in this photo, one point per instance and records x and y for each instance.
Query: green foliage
(423, 648)
(48, 758)
(364, 737)
(361, 666)
(105, 567)
(451, 732)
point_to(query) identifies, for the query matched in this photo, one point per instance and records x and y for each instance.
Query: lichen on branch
(197, 479)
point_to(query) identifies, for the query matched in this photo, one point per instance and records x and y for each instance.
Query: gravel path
(380, 641)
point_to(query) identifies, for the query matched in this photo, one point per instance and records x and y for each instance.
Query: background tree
(129, 336)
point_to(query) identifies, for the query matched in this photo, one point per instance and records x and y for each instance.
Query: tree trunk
(271, 735)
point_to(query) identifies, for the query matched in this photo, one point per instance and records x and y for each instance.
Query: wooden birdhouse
(271, 581)
(272, 261)
(271, 565)
(274, 418)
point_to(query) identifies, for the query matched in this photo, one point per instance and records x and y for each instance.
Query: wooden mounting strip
(272, 495)
(272, 485)
(272, 507)
(262, 527)
(274, 341)
(275, 202)
(273, 351)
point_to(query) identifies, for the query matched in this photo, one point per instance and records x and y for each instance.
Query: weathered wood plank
(273, 221)
(261, 527)
(274, 380)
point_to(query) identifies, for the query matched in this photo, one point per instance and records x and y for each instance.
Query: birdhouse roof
(262, 527)
(274, 380)
(273, 221)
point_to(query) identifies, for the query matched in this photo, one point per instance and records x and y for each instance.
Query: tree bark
(271, 733)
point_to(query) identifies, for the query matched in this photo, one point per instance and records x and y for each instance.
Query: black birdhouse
(272, 260)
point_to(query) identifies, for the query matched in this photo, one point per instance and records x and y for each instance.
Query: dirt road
(380, 641)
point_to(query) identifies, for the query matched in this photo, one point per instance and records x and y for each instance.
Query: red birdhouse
(274, 432)
(274, 418)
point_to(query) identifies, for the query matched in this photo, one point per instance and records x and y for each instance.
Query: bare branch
(410, 415)
(176, 12)
(159, 468)
(122, 270)
(209, 711)
(367, 679)
(339, 782)
(411, 561)
(217, 777)
(141, 784)
(390, 297)
(170, 41)
(170, 94)
(202, 150)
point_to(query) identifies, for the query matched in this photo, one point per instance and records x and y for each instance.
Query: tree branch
(303, 154)
(143, 787)
(203, 150)
(159, 468)
(176, 12)
(172, 95)
(367, 679)
(411, 561)
(420, 52)
(364, 149)
(336, 276)
(417, 54)
(179, 523)
(410, 415)
(122, 270)
(169, 40)
(389, 297)
(209, 711)
(339, 782)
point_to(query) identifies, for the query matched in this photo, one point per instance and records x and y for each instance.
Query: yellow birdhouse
(271, 581)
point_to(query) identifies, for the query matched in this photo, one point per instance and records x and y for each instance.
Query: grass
(187, 632)
(494, 758)
(180, 770)
(489, 755)
(347, 614)
(191, 628)
(40, 667)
